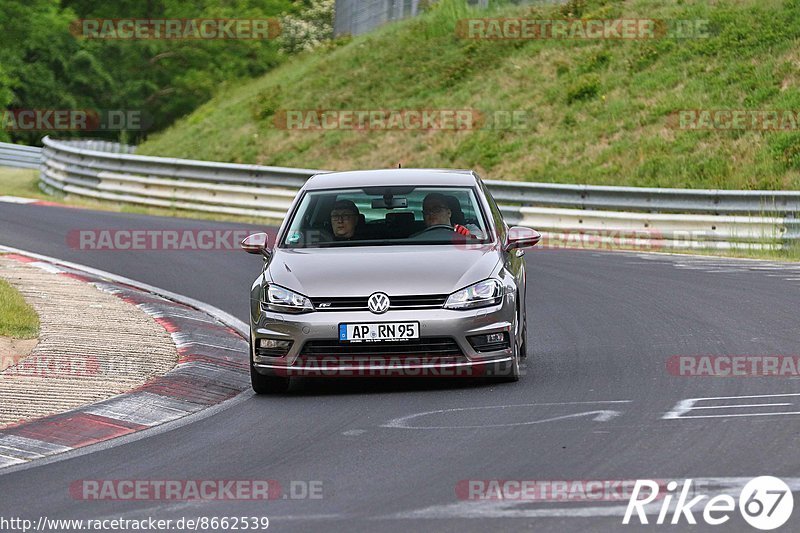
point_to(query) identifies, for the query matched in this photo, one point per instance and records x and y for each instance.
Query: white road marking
(162, 508)
(599, 415)
(8, 461)
(717, 265)
(470, 509)
(743, 414)
(687, 405)
(710, 487)
(277, 519)
(742, 405)
(17, 200)
(354, 432)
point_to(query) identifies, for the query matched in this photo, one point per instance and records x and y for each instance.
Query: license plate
(379, 331)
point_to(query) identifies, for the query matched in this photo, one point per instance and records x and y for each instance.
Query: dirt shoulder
(92, 345)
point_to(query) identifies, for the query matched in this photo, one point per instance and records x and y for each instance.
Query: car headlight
(482, 294)
(276, 298)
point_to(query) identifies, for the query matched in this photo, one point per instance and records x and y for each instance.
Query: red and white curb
(212, 368)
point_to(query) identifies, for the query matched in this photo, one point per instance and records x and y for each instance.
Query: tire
(266, 384)
(507, 372)
(510, 372)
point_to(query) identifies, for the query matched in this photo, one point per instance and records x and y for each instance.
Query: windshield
(387, 216)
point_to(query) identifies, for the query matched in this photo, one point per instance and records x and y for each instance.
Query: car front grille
(359, 303)
(424, 350)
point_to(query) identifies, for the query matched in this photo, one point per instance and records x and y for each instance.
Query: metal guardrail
(17, 155)
(355, 17)
(648, 199)
(674, 217)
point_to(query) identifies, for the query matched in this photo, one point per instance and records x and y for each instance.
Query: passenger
(344, 220)
(436, 212)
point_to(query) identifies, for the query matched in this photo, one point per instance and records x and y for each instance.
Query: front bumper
(434, 324)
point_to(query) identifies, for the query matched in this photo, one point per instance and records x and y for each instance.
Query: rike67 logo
(765, 503)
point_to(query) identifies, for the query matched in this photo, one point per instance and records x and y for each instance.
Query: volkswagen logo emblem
(378, 303)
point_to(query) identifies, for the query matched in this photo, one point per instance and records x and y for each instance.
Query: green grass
(20, 182)
(789, 254)
(17, 319)
(599, 112)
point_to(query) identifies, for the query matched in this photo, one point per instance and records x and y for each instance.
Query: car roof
(391, 176)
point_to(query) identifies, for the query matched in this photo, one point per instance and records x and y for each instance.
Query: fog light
(493, 338)
(489, 342)
(272, 347)
(271, 344)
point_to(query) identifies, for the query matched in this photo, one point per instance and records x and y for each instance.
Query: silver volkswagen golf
(401, 272)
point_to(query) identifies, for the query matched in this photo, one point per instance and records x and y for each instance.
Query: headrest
(399, 218)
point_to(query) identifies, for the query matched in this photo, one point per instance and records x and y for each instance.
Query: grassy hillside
(600, 109)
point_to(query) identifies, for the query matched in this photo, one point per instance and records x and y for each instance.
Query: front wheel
(266, 384)
(523, 349)
(509, 372)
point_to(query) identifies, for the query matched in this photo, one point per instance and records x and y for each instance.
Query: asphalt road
(602, 326)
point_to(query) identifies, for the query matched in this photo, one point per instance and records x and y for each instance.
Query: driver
(435, 212)
(344, 219)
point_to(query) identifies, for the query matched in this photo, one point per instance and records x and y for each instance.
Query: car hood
(395, 270)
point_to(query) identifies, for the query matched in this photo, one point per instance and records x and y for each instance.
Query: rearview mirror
(390, 202)
(256, 244)
(521, 237)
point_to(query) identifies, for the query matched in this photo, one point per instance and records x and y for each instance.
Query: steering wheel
(435, 227)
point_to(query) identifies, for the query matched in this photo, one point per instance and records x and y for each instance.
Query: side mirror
(521, 237)
(256, 244)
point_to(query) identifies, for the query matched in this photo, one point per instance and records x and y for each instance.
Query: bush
(309, 29)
